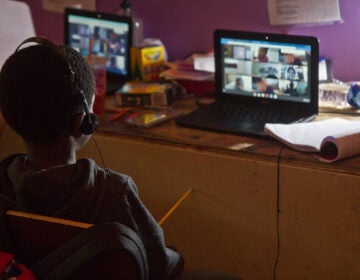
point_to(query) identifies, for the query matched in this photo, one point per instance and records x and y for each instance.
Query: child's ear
(76, 127)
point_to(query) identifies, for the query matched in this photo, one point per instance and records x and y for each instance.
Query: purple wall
(187, 26)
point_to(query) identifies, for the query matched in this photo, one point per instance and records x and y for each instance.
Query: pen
(133, 115)
(119, 114)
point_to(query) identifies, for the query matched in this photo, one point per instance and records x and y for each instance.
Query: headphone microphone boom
(90, 121)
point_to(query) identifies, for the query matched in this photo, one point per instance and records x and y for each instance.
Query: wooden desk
(229, 221)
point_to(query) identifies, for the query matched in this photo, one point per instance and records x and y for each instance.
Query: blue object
(353, 96)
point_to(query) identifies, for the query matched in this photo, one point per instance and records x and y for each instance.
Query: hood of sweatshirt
(54, 190)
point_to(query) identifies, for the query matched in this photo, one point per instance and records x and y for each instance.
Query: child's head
(262, 52)
(239, 83)
(40, 91)
(291, 73)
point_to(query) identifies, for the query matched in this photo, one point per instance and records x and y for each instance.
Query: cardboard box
(138, 94)
(147, 63)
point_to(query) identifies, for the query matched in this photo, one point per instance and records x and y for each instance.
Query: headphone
(90, 121)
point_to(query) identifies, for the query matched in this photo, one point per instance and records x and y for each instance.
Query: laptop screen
(101, 34)
(267, 66)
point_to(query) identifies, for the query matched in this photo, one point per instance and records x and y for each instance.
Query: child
(46, 96)
(262, 55)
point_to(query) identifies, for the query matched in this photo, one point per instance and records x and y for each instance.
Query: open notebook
(260, 78)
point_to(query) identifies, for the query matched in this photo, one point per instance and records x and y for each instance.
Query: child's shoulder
(112, 180)
(119, 181)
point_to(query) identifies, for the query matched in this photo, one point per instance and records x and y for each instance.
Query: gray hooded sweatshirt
(85, 192)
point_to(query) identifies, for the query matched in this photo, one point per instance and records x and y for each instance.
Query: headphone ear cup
(89, 124)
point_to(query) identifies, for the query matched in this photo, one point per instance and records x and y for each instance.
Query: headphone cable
(277, 213)
(99, 151)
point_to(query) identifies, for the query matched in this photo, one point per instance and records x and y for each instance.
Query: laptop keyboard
(253, 114)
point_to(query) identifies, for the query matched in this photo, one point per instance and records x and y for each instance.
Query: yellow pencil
(176, 205)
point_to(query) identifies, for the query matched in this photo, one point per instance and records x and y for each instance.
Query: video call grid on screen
(263, 69)
(106, 38)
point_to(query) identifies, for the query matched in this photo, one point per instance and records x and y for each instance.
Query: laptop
(259, 78)
(108, 35)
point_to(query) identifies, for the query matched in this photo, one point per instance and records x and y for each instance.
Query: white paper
(289, 12)
(323, 70)
(59, 5)
(204, 63)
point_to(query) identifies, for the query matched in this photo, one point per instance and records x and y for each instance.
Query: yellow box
(147, 63)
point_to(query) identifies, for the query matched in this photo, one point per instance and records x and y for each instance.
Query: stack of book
(145, 94)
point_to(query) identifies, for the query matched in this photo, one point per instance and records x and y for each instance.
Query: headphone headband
(47, 43)
(39, 41)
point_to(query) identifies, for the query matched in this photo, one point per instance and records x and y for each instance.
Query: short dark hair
(291, 68)
(39, 96)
